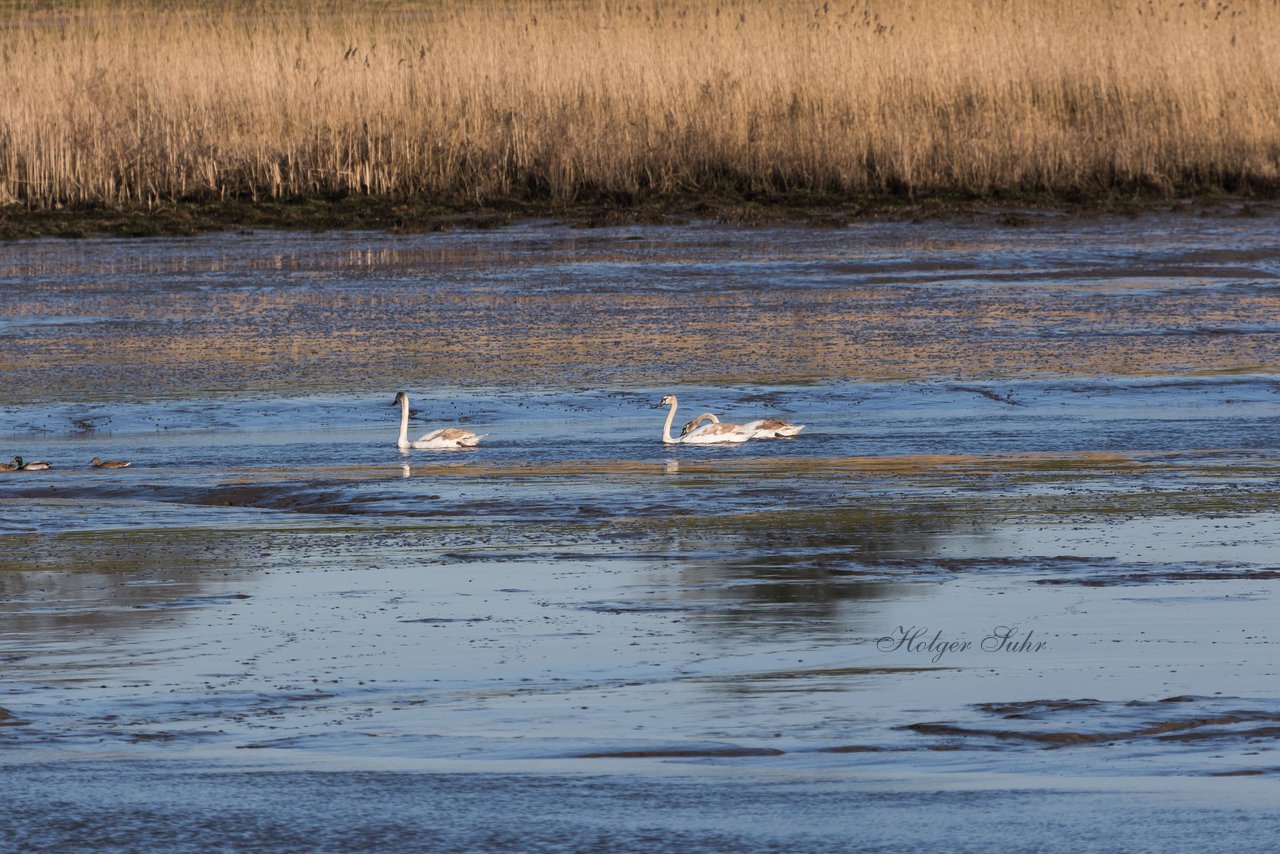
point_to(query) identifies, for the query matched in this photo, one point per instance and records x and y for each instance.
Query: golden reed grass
(135, 103)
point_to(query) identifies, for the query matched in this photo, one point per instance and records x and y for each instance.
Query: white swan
(442, 439)
(711, 434)
(764, 428)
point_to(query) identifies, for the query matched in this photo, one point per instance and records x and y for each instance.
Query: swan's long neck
(666, 428)
(404, 423)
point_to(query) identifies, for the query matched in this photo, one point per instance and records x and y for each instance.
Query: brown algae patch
(726, 752)
(1104, 577)
(1160, 720)
(8, 719)
(819, 673)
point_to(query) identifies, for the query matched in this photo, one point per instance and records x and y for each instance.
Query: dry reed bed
(479, 102)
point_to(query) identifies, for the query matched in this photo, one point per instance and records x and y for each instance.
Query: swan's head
(669, 400)
(401, 397)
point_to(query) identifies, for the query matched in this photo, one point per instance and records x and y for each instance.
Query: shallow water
(1021, 558)
(561, 308)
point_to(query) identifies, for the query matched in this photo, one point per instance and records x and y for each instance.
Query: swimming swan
(764, 428)
(693, 425)
(444, 438)
(711, 434)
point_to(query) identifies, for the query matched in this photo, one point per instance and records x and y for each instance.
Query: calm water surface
(1014, 581)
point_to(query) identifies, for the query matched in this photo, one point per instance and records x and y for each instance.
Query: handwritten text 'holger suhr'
(916, 639)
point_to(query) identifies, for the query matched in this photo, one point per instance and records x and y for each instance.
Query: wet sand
(1014, 583)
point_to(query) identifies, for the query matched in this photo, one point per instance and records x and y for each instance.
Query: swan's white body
(709, 434)
(764, 428)
(445, 438)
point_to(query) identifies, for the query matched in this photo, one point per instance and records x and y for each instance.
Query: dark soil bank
(416, 215)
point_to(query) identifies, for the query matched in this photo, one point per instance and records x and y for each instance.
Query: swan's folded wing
(718, 429)
(772, 424)
(451, 434)
(772, 427)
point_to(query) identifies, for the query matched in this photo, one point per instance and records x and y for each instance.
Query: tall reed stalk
(125, 103)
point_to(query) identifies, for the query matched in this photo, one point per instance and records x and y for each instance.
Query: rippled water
(1021, 558)
(564, 309)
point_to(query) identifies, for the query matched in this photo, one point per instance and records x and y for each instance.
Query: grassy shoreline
(358, 213)
(516, 104)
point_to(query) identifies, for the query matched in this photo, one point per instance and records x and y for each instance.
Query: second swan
(709, 434)
(442, 439)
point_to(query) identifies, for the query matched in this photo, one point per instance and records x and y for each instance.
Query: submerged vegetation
(136, 105)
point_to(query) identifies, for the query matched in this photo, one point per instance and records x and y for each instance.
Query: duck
(709, 434)
(13, 466)
(99, 463)
(34, 465)
(443, 439)
(763, 428)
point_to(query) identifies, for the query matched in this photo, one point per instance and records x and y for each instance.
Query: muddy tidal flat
(1013, 587)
